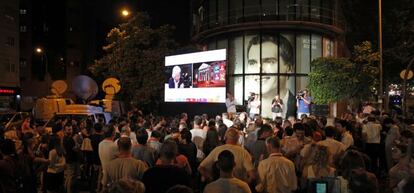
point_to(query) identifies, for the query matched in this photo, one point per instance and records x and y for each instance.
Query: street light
(125, 13)
(40, 51)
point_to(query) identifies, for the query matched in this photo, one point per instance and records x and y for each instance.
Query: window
(236, 11)
(236, 88)
(10, 41)
(269, 9)
(303, 45)
(236, 55)
(23, 11)
(222, 11)
(23, 63)
(212, 13)
(23, 28)
(316, 51)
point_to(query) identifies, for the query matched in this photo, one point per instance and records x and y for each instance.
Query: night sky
(173, 12)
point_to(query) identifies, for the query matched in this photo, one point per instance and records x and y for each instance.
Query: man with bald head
(243, 170)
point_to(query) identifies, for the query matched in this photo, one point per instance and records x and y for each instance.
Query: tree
(335, 79)
(135, 55)
(398, 31)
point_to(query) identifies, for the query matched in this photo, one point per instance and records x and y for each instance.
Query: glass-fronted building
(270, 44)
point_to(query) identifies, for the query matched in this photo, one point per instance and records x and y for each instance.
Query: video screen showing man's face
(269, 61)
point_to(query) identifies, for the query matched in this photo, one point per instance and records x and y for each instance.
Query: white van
(78, 116)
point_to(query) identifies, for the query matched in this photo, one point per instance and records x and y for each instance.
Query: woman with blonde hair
(319, 166)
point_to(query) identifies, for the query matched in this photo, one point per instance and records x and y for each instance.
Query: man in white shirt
(276, 173)
(243, 170)
(198, 136)
(335, 148)
(125, 166)
(346, 137)
(227, 183)
(371, 133)
(107, 148)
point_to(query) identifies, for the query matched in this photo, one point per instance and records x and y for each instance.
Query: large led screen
(196, 77)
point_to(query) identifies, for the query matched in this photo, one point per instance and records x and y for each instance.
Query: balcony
(293, 17)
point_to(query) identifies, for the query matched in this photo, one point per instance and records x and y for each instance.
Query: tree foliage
(334, 79)
(135, 55)
(398, 31)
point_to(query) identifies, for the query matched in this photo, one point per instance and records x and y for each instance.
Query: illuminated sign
(7, 91)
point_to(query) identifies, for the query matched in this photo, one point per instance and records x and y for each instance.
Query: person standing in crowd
(319, 166)
(198, 136)
(303, 103)
(335, 148)
(227, 183)
(126, 186)
(211, 142)
(226, 119)
(154, 141)
(11, 173)
(392, 135)
(107, 148)
(72, 158)
(277, 107)
(244, 169)
(230, 105)
(371, 134)
(346, 137)
(162, 177)
(276, 173)
(187, 148)
(55, 171)
(353, 176)
(124, 166)
(26, 126)
(141, 151)
(254, 106)
(96, 138)
(258, 148)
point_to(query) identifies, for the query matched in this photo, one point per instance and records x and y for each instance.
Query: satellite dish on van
(84, 87)
(111, 86)
(58, 87)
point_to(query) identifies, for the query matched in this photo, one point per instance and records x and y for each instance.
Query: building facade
(270, 44)
(9, 54)
(66, 33)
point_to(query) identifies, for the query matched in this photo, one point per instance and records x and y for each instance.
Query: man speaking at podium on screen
(175, 81)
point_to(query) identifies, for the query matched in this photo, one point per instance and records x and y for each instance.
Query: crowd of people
(229, 153)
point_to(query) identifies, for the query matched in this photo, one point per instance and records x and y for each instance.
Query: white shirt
(198, 137)
(241, 156)
(334, 148)
(276, 175)
(228, 122)
(227, 185)
(373, 131)
(231, 106)
(108, 151)
(254, 107)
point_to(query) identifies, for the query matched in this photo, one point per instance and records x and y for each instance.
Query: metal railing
(292, 12)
